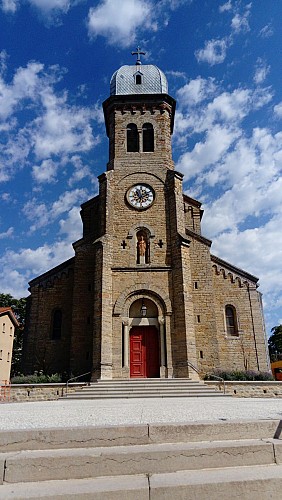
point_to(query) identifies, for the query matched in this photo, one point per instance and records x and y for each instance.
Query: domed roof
(138, 79)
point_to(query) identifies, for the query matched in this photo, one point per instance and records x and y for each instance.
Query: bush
(36, 378)
(239, 375)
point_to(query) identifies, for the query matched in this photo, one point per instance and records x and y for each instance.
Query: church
(143, 296)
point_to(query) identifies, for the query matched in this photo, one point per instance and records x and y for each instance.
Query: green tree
(275, 343)
(19, 309)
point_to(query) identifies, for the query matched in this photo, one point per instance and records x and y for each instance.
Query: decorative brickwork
(183, 288)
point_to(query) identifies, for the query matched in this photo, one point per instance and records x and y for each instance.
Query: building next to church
(8, 323)
(143, 296)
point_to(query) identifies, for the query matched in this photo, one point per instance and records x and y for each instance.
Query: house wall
(7, 331)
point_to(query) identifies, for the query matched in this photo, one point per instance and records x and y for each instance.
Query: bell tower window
(148, 137)
(132, 138)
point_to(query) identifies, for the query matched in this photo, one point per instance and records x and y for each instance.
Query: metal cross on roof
(138, 53)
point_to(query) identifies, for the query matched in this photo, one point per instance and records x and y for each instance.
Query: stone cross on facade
(138, 53)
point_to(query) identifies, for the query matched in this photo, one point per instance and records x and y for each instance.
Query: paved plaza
(49, 414)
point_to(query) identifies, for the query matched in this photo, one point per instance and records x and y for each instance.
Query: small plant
(248, 375)
(36, 378)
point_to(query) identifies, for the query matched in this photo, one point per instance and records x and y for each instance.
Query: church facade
(143, 297)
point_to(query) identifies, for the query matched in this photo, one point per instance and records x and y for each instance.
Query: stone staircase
(143, 388)
(227, 460)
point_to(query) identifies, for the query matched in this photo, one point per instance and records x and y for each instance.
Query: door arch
(144, 352)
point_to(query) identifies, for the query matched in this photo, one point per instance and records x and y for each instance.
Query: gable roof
(9, 312)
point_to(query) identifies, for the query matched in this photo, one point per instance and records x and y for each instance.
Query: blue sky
(223, 64)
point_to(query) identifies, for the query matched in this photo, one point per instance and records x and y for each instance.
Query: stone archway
(144, 339)
(126, 315)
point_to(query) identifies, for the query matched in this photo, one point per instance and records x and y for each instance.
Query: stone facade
(83, 314)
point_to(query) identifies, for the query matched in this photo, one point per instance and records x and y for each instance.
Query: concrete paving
(60, 414)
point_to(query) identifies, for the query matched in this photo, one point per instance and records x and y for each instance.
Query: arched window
(132, 137)
(231, 320)
(148, 137)
(143, 247)
(56, 324)
(138, 79)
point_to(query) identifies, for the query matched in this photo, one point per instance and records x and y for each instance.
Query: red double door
(144, 352)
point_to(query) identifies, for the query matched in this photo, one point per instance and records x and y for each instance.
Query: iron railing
(75, 378)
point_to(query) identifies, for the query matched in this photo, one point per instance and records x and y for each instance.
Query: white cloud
(208, 105)
(118, 21)
(9, 6)
(46, 172)
(225, 7)
(25, 264)
(261, 71)
(55, 131)
(259, 250)
(44, 6)
(26, 84)
(7, 234)
(81, 171)
(42, 214)
(240, 23)
(252, 173)
(71, 226)
(196, 91)
(217, 142)
(20, 267)
(278, 109)
(47, 5)
(214, 52)
(61, 128)
(6, 197)
(267, 31)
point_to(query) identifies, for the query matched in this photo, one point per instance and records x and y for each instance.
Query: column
(162, 339)
(125, 343)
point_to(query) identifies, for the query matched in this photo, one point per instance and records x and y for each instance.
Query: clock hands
(141, 196)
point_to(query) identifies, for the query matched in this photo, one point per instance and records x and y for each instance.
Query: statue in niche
(142, 249)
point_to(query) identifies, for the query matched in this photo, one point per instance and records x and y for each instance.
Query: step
(107, 436)
(146, 389)
(246, 483)
(136, 396)
(79, 463)
(140, 389)
(135, 387)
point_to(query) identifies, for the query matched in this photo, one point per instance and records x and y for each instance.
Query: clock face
(140, 196)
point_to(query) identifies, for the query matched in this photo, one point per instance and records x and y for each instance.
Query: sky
(222, 60)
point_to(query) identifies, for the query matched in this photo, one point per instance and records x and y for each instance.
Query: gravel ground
(46, 414)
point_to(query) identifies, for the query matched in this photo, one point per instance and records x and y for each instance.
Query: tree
(19, 309)
(275, 343)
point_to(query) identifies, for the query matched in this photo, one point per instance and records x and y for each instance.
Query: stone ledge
(41, 392)
(249, 389)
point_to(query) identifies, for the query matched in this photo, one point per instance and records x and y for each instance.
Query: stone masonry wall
(237, 352)
(41, 352)
(207, 345)
(40, 392)
(249, 389)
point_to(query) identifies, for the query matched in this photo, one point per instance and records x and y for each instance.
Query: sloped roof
(9, 312)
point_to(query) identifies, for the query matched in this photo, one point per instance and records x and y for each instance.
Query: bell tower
(139, 117)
